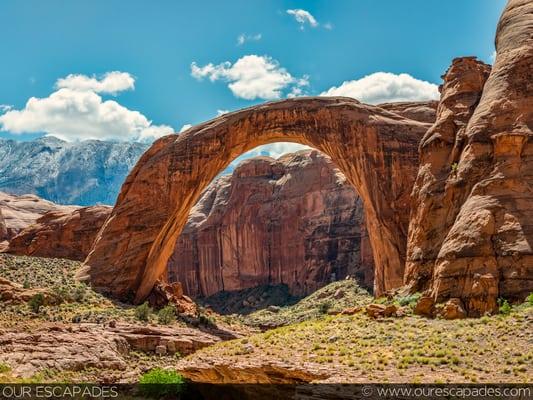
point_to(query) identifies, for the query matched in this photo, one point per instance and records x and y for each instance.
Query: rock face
(375, 149)
(294, 220)
(61, 234)
(471, 234)
(84, 173)
(18, 212)
(73, 348)
(419, 111)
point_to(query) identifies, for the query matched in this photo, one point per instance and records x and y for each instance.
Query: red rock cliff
(295, 220)
(471, 235)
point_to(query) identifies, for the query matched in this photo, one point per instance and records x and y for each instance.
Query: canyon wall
(471, 234)
(61, 233)
(294, 220)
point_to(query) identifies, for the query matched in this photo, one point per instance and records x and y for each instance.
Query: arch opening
(375, 149)
(282, 217)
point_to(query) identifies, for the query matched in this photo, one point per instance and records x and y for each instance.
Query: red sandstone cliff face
(61, 233)
(18, 212)
(471, 234)
(295, 220)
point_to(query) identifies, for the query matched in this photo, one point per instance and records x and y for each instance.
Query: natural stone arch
(374, 148)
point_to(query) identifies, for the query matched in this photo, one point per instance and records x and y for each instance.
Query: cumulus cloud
(185, 127)
(243, 38)
(250, 77)
(5, 107)
(111, 82)
(77, 112)
(383, 87)
(303, 17)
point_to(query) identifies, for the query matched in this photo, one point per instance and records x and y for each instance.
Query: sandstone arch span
(376, 149)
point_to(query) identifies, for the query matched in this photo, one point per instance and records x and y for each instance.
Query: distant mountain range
(82, 173)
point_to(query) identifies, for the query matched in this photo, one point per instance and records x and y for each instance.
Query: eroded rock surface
(18, 212)
(375, 149)
(74, 348)
(61, 233)
(423, 111)
(471, 235)
(295, 220)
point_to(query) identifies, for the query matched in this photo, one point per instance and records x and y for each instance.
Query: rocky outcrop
(61, 233)
(13, 293)
(18, 212)
(423, 111)
(471, 234)
(375, 149)
(295, 220)
(77, 347)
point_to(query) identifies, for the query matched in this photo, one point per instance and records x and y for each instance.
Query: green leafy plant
(409, 300)
(167, 315)
(454, 167)
(158, 383)
(36, 302)
(529, 299)
(142, 312)
(505, 307)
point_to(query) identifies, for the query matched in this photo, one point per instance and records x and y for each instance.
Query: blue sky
(155, 43)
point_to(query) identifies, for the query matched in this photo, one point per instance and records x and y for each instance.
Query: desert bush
(505, 307)
(324, 307)
(529, 300)
(4, 368)
(36, 302)
(159, 383)
(409, 300)
(142, 312)
(167, 315)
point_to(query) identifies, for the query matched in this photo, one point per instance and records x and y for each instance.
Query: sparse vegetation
(36, 302)
(142, 312)
(504, 307)
(167, 315)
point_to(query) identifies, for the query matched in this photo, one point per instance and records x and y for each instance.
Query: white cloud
(303, 17)
(493, 56)
(5, 107)
(111, 82)
(185, 127)
(383, 87)
(76, 112)
(250, 77)
(243, 38)
(328, 26)
(222, 112)
(274, 150)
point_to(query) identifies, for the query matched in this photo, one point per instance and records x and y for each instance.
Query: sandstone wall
(295, 220)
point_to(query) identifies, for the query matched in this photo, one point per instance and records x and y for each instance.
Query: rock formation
(375, 149)
(61, 234)
(471, 235)
(18, 212)
(294, 220)
(425, 111)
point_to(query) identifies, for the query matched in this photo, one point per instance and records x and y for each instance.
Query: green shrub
(4, 368)
(26, 284)
(324, 307)
(207, 320)
(158, 383)
(167, 315)
(142, 312)
(36, 302)
(529, 300)
(409, 300)
(78, 295)
(505, 307)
